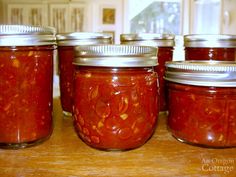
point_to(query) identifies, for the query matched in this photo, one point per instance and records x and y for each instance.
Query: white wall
(95, 10)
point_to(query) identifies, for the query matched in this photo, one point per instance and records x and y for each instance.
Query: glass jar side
(209, 53)
(203, 116)
(26, 95)
(164, 54)
(66, 56)
(115, 108)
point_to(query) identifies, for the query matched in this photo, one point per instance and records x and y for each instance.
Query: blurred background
(124, 16)
(115, 17)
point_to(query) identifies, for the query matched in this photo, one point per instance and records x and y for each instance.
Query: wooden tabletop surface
(65, 155)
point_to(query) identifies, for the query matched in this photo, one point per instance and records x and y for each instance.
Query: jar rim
(115, 56)
(202, 73)
(148, 39)
(83, 38)
(210, 40)
(26, 35)
(26, 29)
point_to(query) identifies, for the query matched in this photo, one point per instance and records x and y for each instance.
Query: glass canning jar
(66, 43)
(115, 100)
(202, 102)
(165, 44)
(210, 47)
(26, 72)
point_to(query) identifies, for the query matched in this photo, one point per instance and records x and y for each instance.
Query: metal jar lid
(115, 56)
(202, 73)
(25, 35)
(148, 39)
(212, 40)
(83, 38)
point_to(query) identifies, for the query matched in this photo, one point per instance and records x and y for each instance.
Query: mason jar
(26, 72)
(210, 47)
(165, 44)
(202, 102)
(115, 98)
(66, 43)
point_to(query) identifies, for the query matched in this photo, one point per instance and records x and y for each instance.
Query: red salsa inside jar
(115, 109)
(164, 54)
(210, 47)
(66, 55)
(26, 94)
(223, 54)
(165, 45)
(203, 115)
(202, 102)
(66, 68)
(26, 74)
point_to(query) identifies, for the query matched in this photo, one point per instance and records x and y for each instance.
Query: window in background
(206, 16)
(155, 16)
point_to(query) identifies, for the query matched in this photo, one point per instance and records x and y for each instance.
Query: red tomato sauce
(222, 54)
(164, 54)
(201, 115)
(66, 68)
(115, 109)
(26, 94)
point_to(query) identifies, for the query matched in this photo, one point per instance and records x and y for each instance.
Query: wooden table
(65, 155)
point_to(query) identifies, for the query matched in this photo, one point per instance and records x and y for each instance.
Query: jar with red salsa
(202, 102)
(115, 99)
(210, 47)
(26, 72)
(165, 44)
(66, 43)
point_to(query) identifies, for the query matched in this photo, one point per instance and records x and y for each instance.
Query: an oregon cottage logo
(225, 166)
